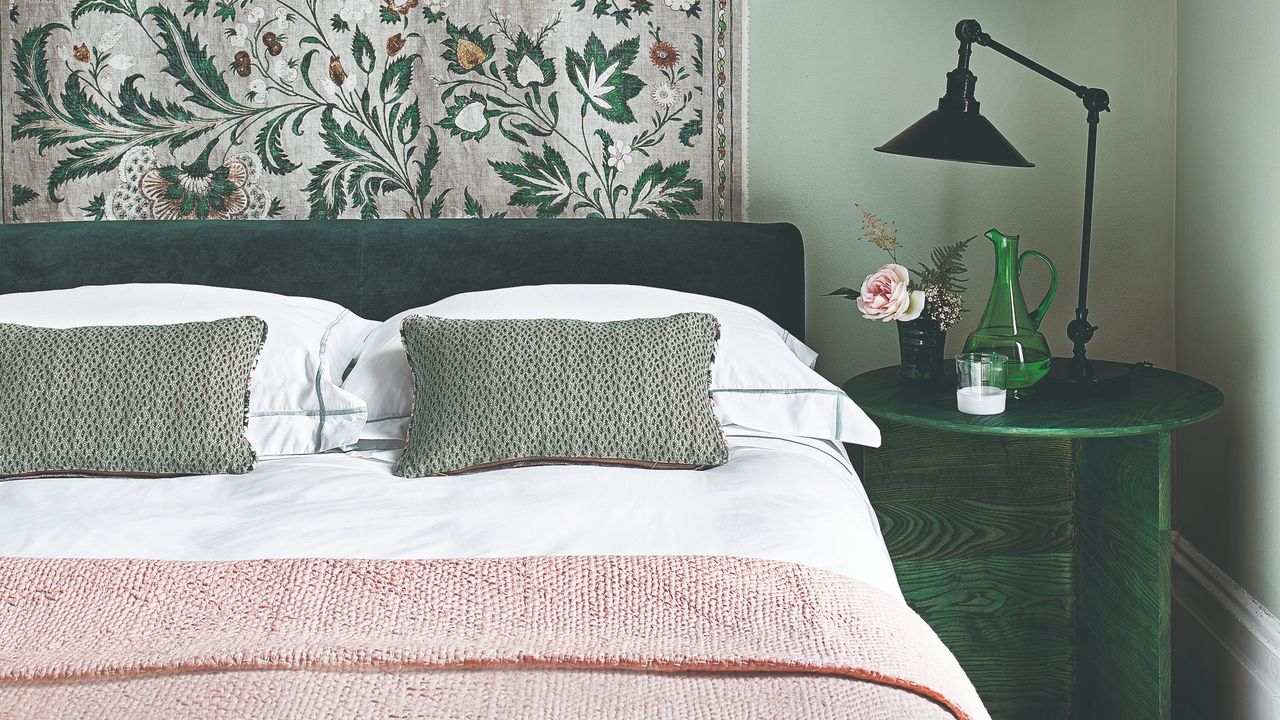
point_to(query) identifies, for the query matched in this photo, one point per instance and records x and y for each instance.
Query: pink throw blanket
(553, 637)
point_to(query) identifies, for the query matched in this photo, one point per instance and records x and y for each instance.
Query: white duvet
(787, 499)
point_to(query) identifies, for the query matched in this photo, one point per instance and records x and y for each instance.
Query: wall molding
(1229, 614)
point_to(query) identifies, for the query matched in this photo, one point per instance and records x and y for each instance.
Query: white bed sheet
(788, 499)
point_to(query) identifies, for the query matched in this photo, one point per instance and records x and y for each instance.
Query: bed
(323, 584)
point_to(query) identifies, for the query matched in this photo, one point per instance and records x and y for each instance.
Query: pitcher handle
(1038, 314)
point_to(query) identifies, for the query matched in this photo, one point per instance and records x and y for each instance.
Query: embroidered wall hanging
(252, 109)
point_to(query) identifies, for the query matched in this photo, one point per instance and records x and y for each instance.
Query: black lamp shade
(958, 135)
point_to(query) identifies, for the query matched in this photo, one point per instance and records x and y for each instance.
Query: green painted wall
(830, 79)
(1228, 239)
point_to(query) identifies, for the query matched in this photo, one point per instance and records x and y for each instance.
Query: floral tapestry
(253, 109)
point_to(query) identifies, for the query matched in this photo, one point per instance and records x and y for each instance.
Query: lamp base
(1108, 377)
(1107, 374)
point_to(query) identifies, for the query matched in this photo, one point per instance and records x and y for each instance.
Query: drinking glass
(980, 383)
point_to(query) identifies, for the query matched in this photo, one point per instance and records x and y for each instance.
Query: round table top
(1155, 400)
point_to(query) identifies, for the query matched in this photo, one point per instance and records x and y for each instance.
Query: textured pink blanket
(546, 637)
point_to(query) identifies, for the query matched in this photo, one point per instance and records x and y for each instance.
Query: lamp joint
(1096, 100)
(1080, 331)
(970, 31)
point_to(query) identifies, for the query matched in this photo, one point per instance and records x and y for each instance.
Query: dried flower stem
(879, 233)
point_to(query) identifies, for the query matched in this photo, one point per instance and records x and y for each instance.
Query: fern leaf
(946, 267)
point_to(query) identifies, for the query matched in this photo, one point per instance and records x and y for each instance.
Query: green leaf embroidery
(325, 191)
(305, 70)
(601, 77)
(144, 111)
(97, 207)
(610, 8)
(368, 208)
(182, 52)
(225, 11)
(356, 174)
(397, 77)
(409, 124)
(196, 8)
(691, 129)
(338, 24)
(31, 70)
(344, 142)
(427, 166)
(665, 191)
(542, 181)
(437, 207)
(472, 208)
(270, 150)
(23, 195)
(111, 7)
(363, 51)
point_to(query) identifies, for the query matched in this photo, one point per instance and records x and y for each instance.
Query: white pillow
(762, 378)
(295, 404)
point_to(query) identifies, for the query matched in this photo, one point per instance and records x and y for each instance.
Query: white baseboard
(1245, 630)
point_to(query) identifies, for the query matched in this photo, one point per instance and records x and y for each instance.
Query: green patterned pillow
(492, 393)
(135, 400)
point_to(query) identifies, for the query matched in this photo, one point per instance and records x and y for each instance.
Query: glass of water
(980, 383)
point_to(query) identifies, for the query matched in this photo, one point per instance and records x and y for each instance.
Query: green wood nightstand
(1036, 542)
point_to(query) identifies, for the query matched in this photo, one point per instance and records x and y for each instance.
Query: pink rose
(884, 296)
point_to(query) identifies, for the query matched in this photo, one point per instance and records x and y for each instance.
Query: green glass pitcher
(1007, 327)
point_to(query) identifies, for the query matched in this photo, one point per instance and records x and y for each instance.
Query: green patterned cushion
(127, 400)
(489, 393)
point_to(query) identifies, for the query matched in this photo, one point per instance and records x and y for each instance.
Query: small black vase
(921, 342)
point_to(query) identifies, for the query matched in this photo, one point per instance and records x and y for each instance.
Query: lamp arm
(1096, 101)
(970, 32)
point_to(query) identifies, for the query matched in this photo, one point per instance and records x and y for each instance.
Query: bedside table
(1036, 542)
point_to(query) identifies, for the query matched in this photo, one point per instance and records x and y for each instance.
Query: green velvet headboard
(378, 268)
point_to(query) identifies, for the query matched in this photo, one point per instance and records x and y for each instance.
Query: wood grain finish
(929, 511)
(1020, 605)
(920, 463)
(1123, 577)
(985, 555)
(1040, 556)
(941, 529)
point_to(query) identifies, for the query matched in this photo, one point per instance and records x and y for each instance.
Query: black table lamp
(957, 131)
